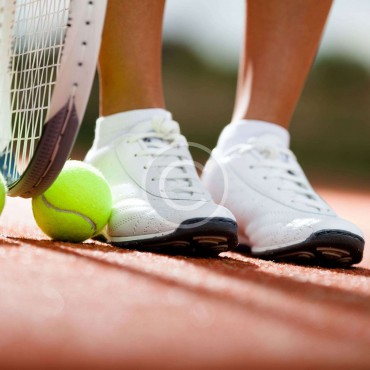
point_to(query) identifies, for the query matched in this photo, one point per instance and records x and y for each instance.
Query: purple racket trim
(53, 150)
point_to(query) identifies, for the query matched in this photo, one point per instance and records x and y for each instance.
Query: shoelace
(282, 165)
(168, 150)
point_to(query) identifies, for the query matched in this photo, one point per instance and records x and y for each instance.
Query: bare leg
(281, 41)
(130, 56)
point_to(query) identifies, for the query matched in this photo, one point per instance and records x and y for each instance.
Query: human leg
(278, 213)
(280, 43)
(159, 202)
(130, 56)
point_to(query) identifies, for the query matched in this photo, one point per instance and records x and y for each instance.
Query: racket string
(34, 51)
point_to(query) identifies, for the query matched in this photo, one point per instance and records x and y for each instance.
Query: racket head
(50, 50)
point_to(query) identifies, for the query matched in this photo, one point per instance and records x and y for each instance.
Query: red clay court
(94, 306)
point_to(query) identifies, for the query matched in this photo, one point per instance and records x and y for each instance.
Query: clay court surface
(93, 306)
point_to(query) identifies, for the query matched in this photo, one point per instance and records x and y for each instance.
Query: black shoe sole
(200, 236)
(326, 248)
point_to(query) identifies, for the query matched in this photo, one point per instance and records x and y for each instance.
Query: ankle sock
(238, 132)
(110, 127)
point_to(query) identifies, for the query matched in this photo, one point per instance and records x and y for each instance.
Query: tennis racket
(48, 55)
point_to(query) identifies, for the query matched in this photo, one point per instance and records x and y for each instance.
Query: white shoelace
(280, 163)
(167, 149)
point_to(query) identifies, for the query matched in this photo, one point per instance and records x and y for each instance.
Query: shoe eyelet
(145, 167)
(251, 167)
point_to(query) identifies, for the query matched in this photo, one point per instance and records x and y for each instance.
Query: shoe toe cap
(297, 230)
(137, 217)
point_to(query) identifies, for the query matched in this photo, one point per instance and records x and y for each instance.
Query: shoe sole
(326, 248)
(201, 236)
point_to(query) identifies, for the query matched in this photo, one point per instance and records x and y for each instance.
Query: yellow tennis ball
(76, 206)
(3, 191)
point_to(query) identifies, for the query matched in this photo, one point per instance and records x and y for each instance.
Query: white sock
(238, 132)
(110, 127)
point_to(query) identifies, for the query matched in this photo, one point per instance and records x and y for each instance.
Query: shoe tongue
(142, 127)
(159, 130)
(273, 144)
(148, 124)
(271, 140)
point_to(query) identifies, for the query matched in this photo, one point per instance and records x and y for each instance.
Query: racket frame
(69, 98)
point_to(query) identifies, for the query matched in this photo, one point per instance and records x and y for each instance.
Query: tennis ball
(76, 206)
(3, 191)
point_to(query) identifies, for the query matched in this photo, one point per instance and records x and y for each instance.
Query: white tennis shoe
(159, 202)
(279, 215)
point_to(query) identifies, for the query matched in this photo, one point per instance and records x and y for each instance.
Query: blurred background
(331, 126)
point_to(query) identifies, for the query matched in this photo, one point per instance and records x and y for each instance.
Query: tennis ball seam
(87, 219)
